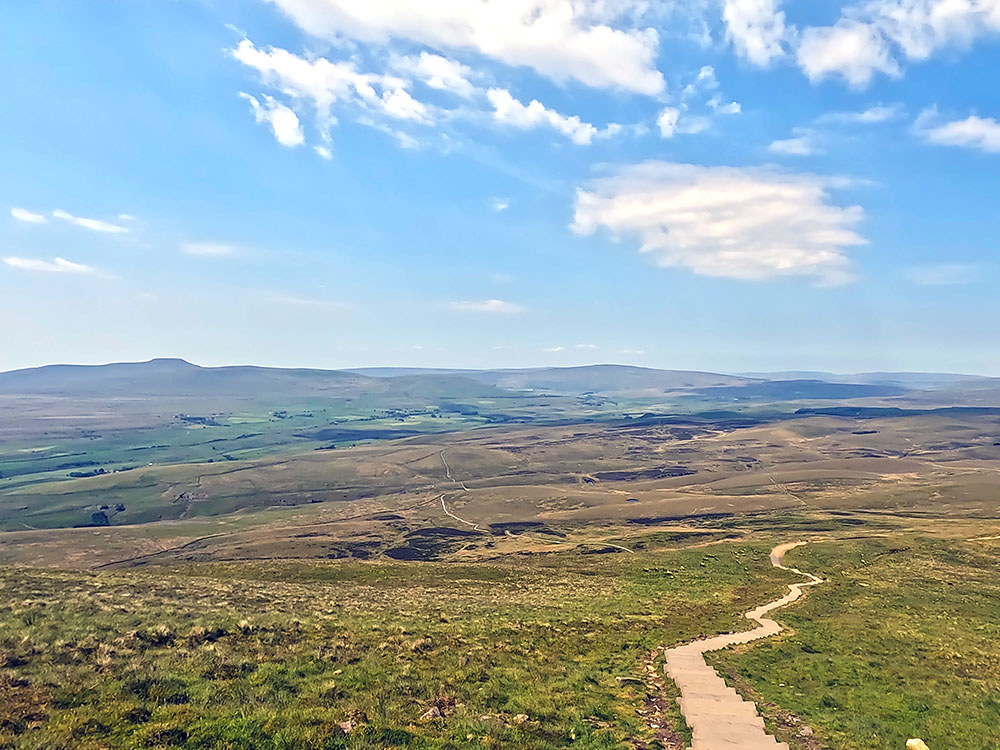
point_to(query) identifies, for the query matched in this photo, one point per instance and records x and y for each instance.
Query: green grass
(902, 641)
(278, 655)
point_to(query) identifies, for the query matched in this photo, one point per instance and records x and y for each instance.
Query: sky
(724, 185)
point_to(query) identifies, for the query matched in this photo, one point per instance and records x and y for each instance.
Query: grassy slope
(125, 660)
(903, 641)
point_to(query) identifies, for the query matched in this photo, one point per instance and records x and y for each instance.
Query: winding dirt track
(718, 716)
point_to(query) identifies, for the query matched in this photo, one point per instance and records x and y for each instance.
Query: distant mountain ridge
(598, 378)
(916, 379)
(177, 377)
(165, 377)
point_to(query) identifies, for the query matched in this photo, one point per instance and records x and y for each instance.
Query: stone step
(766, 742)
(718, 716)
(711, 705)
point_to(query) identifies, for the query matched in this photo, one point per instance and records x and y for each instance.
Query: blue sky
(724, 185)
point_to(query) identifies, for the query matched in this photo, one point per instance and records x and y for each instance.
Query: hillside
(604, 378)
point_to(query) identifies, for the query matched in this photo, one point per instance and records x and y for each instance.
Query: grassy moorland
(515, 654)
(902, 641)
(223, 572)
(518, 650)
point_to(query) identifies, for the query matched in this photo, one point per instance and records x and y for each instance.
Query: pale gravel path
(475, 526)
(447, 471)
(718, 716)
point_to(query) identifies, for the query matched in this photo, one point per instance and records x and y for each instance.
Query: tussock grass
(341, 654)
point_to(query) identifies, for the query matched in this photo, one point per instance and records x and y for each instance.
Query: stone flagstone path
(718, 716)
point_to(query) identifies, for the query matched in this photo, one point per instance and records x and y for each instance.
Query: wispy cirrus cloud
(57, 265)
(490, 306)
(295, 300)
(801, 145)
(210, 249)
(942, 274)
(875, 114)
(29, 217)
(94, 225)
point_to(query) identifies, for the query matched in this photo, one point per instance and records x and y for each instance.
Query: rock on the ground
(431, 714)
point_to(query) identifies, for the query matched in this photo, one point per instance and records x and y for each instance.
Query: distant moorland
(255, 557)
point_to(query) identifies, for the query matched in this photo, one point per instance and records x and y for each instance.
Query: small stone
(916, 744)
(431, 714)
(806, 732)
(520, 719)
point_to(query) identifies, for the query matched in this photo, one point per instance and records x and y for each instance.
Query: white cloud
(59, 265)
(632, 351)
(492, 306)
(704, 80)
(399, 104)
(319, 81)
(693, 124)
(944, 274)
(553, 349)
(920, 27)
(499, 204)
(743, 223)
(95, 225)
(799, 146)
(292, 300)
(324, 152)
(322, 84)
(590, 347)
(875, 114)
(756, 29)
(855, 51)
(980, 133)
(510, 111)
(404, 139)
(210, 249)
(671, 121)
(732, 108)
(557, 38)
(869, 37)
(438, 72)
(667, 121)
(283, 121)
(23, 214)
